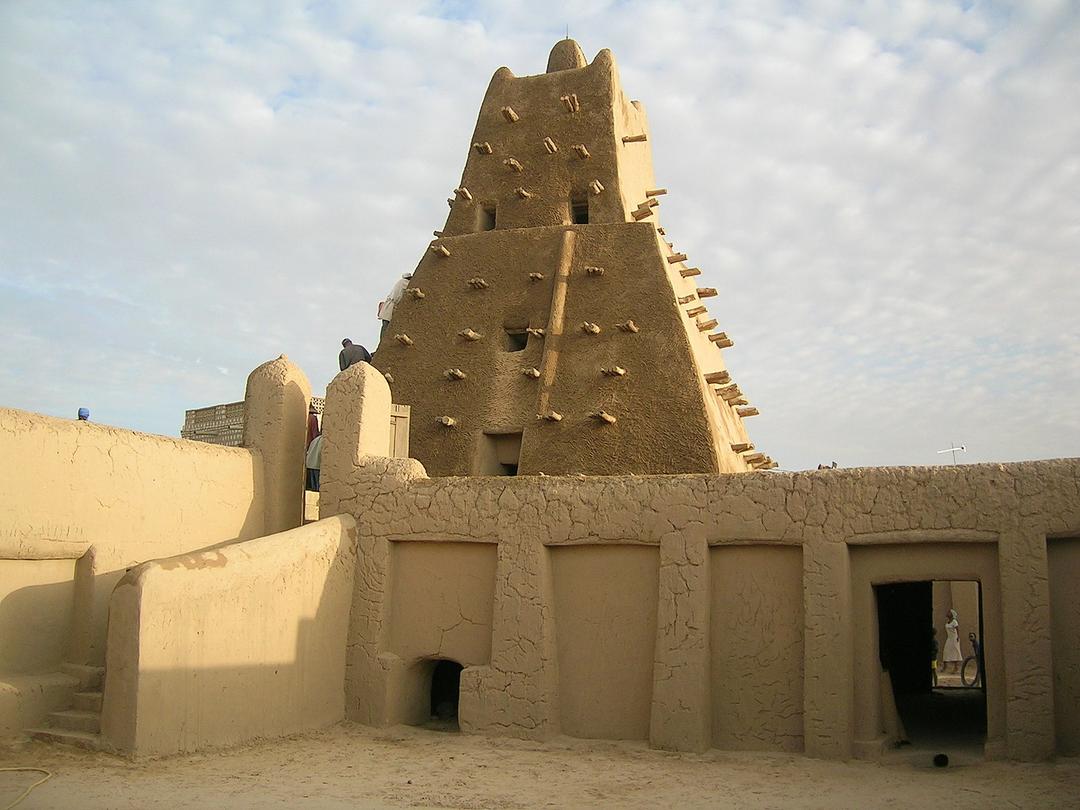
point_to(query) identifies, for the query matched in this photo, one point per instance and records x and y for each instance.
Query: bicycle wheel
(969, 671)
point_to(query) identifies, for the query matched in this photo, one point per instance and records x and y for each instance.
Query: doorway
(936, 709)
(445, 693)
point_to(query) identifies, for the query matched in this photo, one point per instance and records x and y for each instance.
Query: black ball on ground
(941, 760)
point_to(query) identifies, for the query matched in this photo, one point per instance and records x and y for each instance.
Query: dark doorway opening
(499, 454)
(445, 692)
(516, 340)
(579, 210)
(485, 217)
(932, 716)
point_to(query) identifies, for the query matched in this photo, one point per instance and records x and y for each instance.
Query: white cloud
(884, 194)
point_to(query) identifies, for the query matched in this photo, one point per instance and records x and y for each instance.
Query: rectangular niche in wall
(579, 210)
(485, 216)
(499, 454)
(605, 631)
(441, 600)
(36, 598)
(757, 647)
(516, 339)
(1063, 562)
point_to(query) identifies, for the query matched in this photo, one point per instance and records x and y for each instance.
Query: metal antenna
(954, 450)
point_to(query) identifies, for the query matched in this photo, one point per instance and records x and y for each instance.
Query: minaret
(550, 327)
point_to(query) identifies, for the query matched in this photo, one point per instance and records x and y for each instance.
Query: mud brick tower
(550, 327)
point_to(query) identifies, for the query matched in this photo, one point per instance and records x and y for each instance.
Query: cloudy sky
(887, 196)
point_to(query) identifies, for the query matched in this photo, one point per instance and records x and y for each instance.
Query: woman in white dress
(952, 654)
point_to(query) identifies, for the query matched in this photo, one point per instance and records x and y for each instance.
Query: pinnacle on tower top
(566, 55)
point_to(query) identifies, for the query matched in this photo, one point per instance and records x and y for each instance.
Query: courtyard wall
(83, 502)
(698, 611)
(225, 646)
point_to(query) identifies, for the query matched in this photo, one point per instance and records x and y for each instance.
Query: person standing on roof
(386, 307)
(352, 353)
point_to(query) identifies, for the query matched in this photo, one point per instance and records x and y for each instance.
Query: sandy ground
(354, 766)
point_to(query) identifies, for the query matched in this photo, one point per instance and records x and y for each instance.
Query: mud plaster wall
(1063, 558)
(757, 647)
(131, 496)
(112, 498)
(35, 614)
(669, 419)
(453, 620)
(889, 514)
(662, 418)
(605, 626)
(225, 646)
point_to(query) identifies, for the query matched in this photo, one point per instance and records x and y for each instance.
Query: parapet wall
(694, 610)
(221, 647)
(131, 496)
(82, 502)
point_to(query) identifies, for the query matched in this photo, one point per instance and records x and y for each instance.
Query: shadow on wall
(35, 619)
(225, 646)
(55, 611)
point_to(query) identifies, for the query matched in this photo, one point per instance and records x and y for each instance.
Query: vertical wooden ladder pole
(556, 321)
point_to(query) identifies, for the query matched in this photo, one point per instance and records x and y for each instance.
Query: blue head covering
(84, 414)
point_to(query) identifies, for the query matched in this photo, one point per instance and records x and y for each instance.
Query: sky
(886, 195)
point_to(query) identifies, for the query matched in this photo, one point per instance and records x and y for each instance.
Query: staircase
(80, 724)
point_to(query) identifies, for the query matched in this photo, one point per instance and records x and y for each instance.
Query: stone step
(79, 739)
(90, 678)
(87, 701)
(75, 720)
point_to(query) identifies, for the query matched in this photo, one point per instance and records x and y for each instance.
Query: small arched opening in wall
(444, 692)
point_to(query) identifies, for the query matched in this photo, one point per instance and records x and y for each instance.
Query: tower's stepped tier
(667, 418)
(549, 311)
